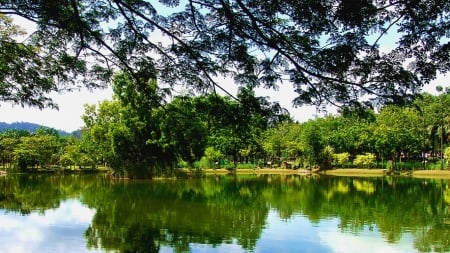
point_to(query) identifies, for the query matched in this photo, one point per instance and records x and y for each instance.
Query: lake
(227, 213)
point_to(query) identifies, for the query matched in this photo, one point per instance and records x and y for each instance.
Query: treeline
(22, 149)
(219, 132)
(139, 134)
(415, 136)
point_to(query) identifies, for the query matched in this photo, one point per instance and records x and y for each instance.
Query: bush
(341, 159)
(364, 161)
(183, 164)
(447, 156)
(204, 163)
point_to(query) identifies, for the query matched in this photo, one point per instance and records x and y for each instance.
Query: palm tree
(438, 134)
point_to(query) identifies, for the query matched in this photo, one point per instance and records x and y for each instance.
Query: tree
(183, 128)
(331, 51)
(283, 141)
(365, 161)
(127, 130)
(312, 141)
(398, 133)
(29, 71)
(37, 150)
(7, 145)
(436, 120)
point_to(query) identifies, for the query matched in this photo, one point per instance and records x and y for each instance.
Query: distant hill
(27, 126)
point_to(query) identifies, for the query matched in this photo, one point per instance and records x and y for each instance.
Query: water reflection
(54, 230)
(252, 213)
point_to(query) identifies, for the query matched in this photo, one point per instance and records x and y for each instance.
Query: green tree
(36, 151)
(352, 131)
(398, 133)
(100, 122)
(447, 156)
(234, 126)
(9, 140)
(70, 154)
(283, 141)
(183, 128)
(311, 139)
(7, 146)
(365, 161)
(29, 70)
(331, 51)
(127, 129)
(436, 120)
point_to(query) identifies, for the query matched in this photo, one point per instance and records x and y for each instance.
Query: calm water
(88, 213)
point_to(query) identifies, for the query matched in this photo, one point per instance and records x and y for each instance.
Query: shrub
(447, 156)
(183, 164)
(364, 161)
(204, 163)
(341, 159)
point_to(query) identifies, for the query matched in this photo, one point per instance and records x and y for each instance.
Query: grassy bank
(437, 174)
(258, 171)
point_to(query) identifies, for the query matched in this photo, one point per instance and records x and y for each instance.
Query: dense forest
(141, 138)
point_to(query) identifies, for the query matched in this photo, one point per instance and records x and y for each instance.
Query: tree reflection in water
(143, 216)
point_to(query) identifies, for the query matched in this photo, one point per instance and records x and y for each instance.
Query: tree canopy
(343, 52)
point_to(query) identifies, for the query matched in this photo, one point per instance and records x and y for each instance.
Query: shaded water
(265, 213)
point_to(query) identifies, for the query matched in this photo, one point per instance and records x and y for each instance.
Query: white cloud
(365, 241)
(58, 230)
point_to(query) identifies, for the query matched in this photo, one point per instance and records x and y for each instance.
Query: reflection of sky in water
(62, 230)
(57, 230)
(298, 234)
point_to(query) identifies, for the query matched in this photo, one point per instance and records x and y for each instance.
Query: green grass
(245, 166)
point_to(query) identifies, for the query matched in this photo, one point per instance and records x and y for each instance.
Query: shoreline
(425, 174)
(421, 174)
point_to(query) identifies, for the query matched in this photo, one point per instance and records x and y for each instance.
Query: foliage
(146, 138)
(35, 151)
(139, 134)
(312, 138)
(365, 161)
(213, 157)
(332, 51)
(282, 141)
(447, 155)
(327, 157)
(341, 159)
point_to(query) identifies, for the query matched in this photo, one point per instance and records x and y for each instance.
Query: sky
(71, 108)
(71, 105)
